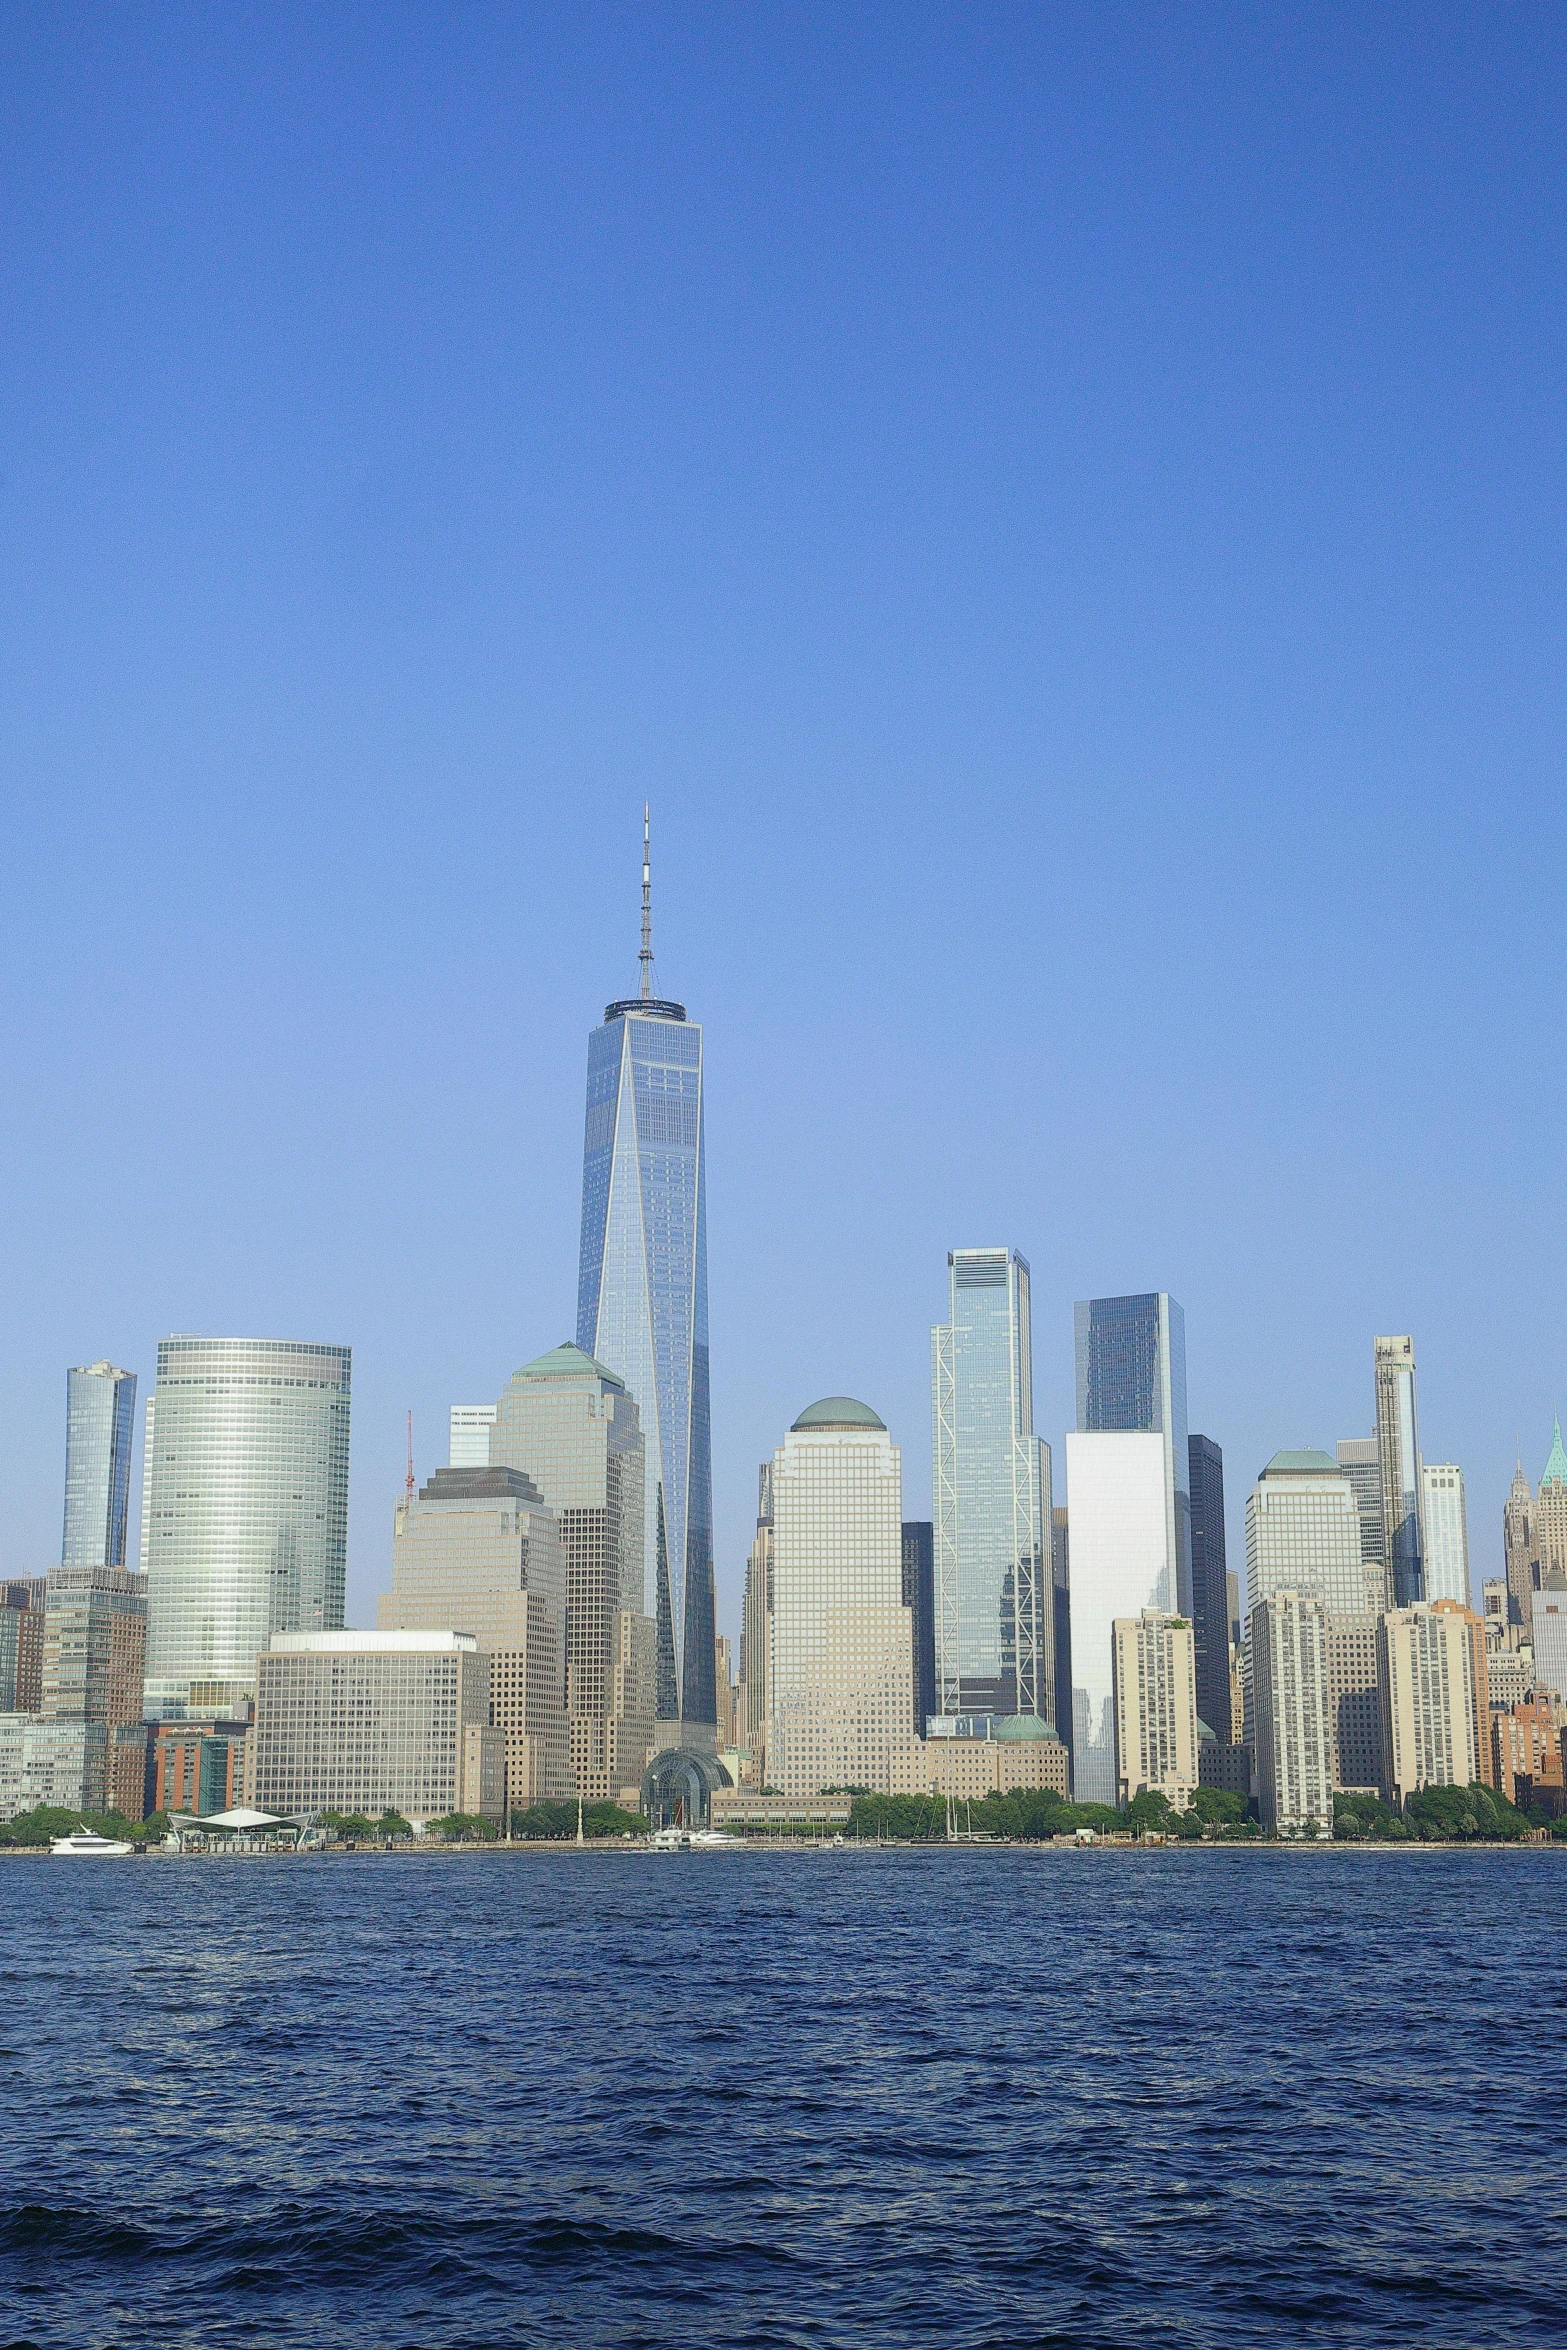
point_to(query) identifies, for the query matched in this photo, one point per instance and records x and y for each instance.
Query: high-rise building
(1360, 1458)
(843, 1646)
(571, 1425)
(757, 1638)
(642, 1308)
(1131, 1376)
(1303, 1534)
(995, 1622)
(919, 1597)
(246, 1511)
(1549, 1631)
(1398, 1443)
(1520, 1554)
(476, 1550)
(1550, 1511)
(1287, 1642)
(468, 1440)
(370, 1722)
(1155, 1675)
(22, 1645)
(1210, 1586)
(1528, 1750)
(1446, 1531)
(1431, 1668)
(1354, 1703)
(46, 1759)
(100, 1428)
(724, 1689)
(1061, 1616)
(1118, 1495)
(95, 1647)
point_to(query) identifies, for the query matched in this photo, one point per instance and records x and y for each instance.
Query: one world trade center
(642, 1308)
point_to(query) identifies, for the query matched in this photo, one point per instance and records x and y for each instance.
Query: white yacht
(84, 1845)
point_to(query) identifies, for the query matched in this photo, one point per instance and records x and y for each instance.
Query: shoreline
(543, 1849)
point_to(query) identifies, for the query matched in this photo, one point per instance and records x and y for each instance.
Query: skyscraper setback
(642, 1304)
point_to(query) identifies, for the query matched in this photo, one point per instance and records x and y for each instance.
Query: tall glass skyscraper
(995, 1616)
(642, 1306)
(1131, 1375)
(246, 1499)
(100, 1427)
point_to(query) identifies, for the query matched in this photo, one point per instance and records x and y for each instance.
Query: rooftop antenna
(410, 1456)
(645, 958)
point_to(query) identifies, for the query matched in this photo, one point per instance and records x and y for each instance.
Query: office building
(571, 1425)
(1550, 1512)
(1354, 1703)
(100, 1428)
(246, 1511)
(642, 1308)
(1303, 1534)
(1117, 1493)
(1434, 1699)
(128, 1770)
(369, 1722)
(468, 1437)
(919, 1597)
(1398, 1442)
(1155, 1674)
(22, 1645)
(991, 1482)
(1210, 1585)
(1550, 1633)
(1509, 1674)
(1520, 1555)
(1287, 1645)
(1528, 1752)
(724, 1694)
(1446, 1531)
(1131, 1377)
(756, 1636)
(94, 1650)
(1061, 1621)
(843, 1644)
(1360, 1458)
(53, 1760)
(476, 1550)
(198, 1768)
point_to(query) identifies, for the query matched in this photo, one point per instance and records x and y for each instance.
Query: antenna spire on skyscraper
(645, 958)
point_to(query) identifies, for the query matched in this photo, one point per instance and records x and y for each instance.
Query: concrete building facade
(1155, 1669)
(1433, 1703)
(368, 1722)
(1287, 1642)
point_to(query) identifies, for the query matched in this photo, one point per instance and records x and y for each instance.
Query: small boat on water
(84, 1845)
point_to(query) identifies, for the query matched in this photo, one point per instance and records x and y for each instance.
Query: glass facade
(995, 1626)
(642, 1310)
(246, 1511)
(1131, 1375)
(100, 1426)
(1447, 1532)
(1398, 1444)
(1303, 1535)
(1210, 1586)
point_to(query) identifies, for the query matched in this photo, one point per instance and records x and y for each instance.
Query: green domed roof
(839, 1411)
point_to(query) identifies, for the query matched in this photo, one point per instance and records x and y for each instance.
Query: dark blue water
(962, 2097)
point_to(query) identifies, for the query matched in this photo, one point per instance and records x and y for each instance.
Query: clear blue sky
(1060, 509)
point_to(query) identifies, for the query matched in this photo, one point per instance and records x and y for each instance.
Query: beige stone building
(1354, 1703)
(476, 1550)
(1287, 1646)
(94, 1653)
(1155, 1684)
(975, 1767)
(1435, 1700)
(376, 1721)
(572, 1427)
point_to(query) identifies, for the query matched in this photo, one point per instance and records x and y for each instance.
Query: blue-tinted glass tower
(100, 1418)
(642, 1305)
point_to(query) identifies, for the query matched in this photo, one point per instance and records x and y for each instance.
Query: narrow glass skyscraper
(642, 1307)
(1398, 1446)
(246, 1502)
(995, 1617)
(100, 1424)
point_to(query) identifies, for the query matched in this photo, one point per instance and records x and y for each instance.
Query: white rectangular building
(1122, 1562)
(469, 1435)
(1431, 1661)
(371, 1722)
(1155, 1707)
(47, 1760)
(1446, 1531)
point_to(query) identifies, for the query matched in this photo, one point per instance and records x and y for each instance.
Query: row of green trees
(48, 1820)
(1434, 1815)
(1437, 1815)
